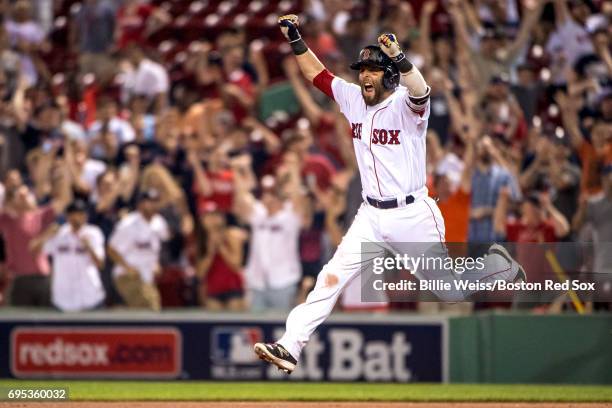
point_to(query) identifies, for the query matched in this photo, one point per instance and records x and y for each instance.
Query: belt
(388, 204)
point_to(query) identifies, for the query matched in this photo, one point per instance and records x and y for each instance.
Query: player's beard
(374, 96)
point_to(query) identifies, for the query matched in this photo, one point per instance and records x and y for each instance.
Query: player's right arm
(307, 60)
(313, 70)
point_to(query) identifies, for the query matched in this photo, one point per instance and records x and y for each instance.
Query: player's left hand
(389, 45)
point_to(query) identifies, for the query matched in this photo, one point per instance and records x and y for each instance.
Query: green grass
(288, 391)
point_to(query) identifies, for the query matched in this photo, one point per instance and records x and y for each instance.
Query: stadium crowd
(168, 153)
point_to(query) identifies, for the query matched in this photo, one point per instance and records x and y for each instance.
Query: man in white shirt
(273, 268)
(107, 134)
(77, 249)
(26, 36)
(570, 40)
(84, 170)
(134, 247)
(145, 77)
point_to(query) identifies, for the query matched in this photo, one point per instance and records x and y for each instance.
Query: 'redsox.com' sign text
(346, 348)
(95, 352)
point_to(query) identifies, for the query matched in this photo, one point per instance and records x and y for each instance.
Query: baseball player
(388, 113)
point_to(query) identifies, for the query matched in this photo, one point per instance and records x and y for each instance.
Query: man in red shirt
(540, 222)
(22, 221)
(214, 184)
(137, 20)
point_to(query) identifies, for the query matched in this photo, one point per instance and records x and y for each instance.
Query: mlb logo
(234, 345)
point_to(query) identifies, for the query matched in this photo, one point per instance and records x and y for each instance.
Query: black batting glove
(289, 27)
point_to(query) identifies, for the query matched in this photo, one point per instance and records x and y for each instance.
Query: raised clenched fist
(389, 45)
(288, 25)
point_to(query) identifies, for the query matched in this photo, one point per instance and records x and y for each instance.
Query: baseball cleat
(276, 354)
(503, 252)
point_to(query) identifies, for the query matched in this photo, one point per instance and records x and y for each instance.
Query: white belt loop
(365, 197)
(401, 201)
(420, 193)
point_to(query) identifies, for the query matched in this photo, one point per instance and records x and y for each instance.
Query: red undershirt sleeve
(323, 81)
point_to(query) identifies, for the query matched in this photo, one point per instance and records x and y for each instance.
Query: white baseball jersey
(139, 243)
(75, 283)
(389, 140)
(274, 257)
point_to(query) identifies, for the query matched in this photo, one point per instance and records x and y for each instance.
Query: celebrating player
(388, 113)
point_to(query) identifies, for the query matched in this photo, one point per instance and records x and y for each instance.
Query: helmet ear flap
(390, 78)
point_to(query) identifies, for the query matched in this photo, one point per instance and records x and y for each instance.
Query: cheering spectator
(273, 266)
(570, 40)
(27, 37)
(84, 171)
(454, 196)
(490, 175)
(493, 55)
(591, 150)
(134, 247)
(12, 180)
(21, 221)
(92, 34)
(215, 185)
(219, 268)
(314, 167)
(527, 90)
(136, 21)
(359, 29)
(109, 132)
(145, 77)
(235, 51)
(399, 20)
(77, 249)
(539, 220)
(324, 124)
(537, 224)
(107, 203)
(503, 115)
(227, 71)
(172, 206)
(142, 119)
(10, 66)
(597, 213)
(43, 129)
(551, 170)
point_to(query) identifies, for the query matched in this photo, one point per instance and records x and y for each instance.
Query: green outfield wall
(506, 348)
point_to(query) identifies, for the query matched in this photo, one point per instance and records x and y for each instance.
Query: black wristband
(298, 46)
(402, 63)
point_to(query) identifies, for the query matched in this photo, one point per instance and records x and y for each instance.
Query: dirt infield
(132, 404)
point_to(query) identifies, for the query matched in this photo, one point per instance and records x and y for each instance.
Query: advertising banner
(349, 349)
(82, 351)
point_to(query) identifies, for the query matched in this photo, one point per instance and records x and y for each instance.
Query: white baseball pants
(420, 221)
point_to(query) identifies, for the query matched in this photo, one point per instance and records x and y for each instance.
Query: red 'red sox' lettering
(384, 137)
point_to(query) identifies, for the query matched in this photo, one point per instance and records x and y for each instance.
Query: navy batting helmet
(373, 56)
